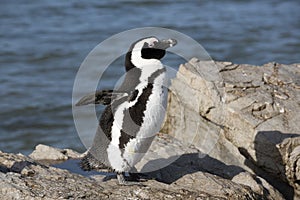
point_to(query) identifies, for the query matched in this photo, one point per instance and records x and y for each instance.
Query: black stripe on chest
(134, 116)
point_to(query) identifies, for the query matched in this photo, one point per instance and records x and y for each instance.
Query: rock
(183, 178)
(242, 117)
(43, 182)
(187, 167)
(216, 186)
(290, 151)
(257, 184)
(231, 134)
(44, 152)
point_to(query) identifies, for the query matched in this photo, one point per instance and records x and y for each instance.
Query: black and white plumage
(134, 113)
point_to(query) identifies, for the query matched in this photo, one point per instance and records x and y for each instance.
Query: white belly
(152, 121)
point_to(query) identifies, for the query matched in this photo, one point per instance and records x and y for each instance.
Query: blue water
(44, 42)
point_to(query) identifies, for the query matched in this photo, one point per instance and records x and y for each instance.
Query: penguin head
(147, 49)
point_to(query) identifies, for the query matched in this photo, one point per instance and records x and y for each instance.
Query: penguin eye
(152, 44)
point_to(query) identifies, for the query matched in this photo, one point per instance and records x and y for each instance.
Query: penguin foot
(123, 181)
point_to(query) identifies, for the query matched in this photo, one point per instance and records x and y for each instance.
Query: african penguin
(134, 112)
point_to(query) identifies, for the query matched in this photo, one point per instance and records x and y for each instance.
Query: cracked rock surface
(243, 115)
(183, 178)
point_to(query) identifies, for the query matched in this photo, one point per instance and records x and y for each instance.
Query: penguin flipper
(104, 97)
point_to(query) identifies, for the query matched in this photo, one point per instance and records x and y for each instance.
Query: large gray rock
(243, 115)
(184, 178)
(232, 134)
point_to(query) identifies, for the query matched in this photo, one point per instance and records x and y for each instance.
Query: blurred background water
(44, 42)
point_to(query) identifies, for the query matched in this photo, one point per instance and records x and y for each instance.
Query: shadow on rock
(17, 167)
(268, 163)
(188, 164)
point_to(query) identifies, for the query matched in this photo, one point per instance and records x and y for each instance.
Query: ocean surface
(43, 43)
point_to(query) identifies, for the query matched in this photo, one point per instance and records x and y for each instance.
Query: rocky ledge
(247, 117)
(230, 133)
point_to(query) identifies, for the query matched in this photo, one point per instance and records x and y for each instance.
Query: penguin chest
(154, 115)
(136, 123)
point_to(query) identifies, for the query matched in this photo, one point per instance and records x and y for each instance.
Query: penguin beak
(164, 44)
